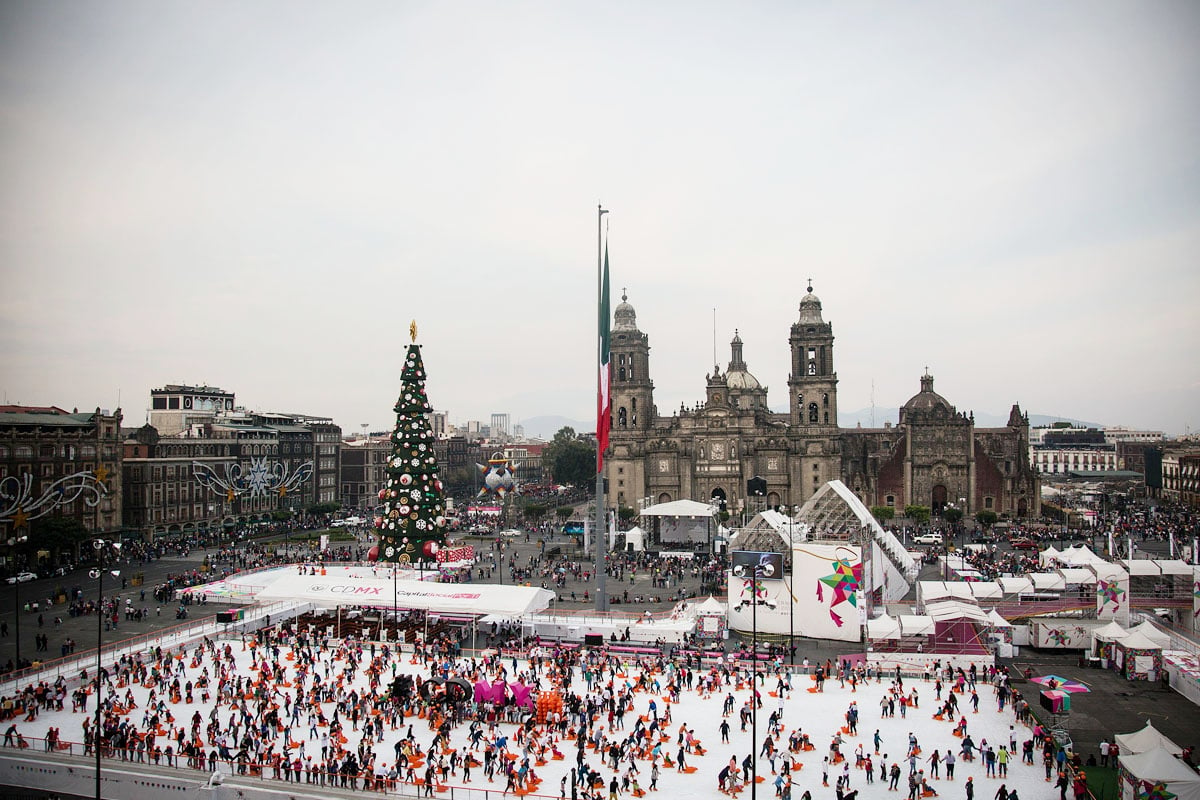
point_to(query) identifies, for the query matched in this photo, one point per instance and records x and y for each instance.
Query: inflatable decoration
(498, 476)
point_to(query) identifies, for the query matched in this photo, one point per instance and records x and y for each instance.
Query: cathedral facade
(934, 457)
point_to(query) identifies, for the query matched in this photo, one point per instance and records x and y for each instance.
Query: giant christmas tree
(413, 523)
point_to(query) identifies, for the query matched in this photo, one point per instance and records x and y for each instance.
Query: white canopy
(711, 606)
(1158, 765)
(1109, 633)
(1153, 633)
(949, 610)
(680, 508)
(1077, 576)
(340, 588)
(1148, 738)
(986, 590)
(997, 621)
(1015, 585)
(1174, 566)
(1138, 641)
(1047, 581)
(916, 626)
(884, 627)
(1079, 556)
(1141, 566)
(1048, 556)
(635, 539)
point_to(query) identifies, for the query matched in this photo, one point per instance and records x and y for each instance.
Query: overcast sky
(261, 195)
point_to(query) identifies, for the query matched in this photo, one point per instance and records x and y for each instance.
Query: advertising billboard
(749, 563)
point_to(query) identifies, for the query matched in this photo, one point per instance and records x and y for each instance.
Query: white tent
(986, 590)
(1077, 576)
(1047, 581)
(950, 610)
(1079, 556)
(1109, 633)
(635, 539)
(884, 627)
(340, 588)
(1153, 633)
(916, 626)
(1138, 641)
(1141, 566)
(1048, 557)
(997, 621)
(1160, 766)
(1012, 586)
(1148, 738)
(711, 606)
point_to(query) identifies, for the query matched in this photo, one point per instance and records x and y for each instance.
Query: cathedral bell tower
(812, 384)
(632, 390)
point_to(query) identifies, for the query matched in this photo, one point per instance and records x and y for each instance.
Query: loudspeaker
(593, 639)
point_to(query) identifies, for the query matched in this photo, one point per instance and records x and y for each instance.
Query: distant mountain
(852, 419)
(545, 427)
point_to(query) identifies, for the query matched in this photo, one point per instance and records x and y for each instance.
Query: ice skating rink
(341, 671)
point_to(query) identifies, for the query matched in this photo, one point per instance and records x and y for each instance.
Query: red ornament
(373, 553)
(430, 549)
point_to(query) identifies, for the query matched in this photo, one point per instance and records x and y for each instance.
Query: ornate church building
(934, 457)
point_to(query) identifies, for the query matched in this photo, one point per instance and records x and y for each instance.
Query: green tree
(570, 459)
(883, 513)
(919, 514)
(413, 521)
(986, 518)
(952, 515)
(56, 534)
(534, 511)
(626, 514)
(564, 513)
(323, 508)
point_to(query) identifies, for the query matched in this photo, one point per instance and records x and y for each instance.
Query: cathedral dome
(927, 399)
(810, 307)
(737, 376)
(624, 317)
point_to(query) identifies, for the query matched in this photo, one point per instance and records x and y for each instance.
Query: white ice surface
(818, 715)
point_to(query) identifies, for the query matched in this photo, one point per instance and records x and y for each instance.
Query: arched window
(825, 399)
(621, 374)
(813, 413)
(622, 417)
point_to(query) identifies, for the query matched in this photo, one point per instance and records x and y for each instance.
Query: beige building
(935, 456)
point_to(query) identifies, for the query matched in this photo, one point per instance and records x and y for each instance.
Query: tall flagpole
(600, 530)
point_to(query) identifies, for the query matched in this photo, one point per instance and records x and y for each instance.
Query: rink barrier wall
(71, 770)
(71, 666)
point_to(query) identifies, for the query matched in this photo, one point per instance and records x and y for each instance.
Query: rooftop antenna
(872, 402)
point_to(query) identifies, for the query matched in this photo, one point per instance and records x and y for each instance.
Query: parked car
(23, 577)
(928, 538)
(63, 571)
(1022, 543)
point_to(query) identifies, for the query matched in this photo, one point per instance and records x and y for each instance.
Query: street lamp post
(17, 600)
(754, 601)
(102, 548)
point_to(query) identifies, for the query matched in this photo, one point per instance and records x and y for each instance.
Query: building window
(813, 413)
(890, 500)
(987, 502)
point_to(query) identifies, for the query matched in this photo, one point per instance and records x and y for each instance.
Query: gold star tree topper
(412, 330)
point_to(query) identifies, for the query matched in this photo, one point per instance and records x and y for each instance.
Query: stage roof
(342, 589)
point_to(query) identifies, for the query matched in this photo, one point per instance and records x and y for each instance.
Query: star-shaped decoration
(101, 473)
(282, 491)
(20, 519)
(229, 495)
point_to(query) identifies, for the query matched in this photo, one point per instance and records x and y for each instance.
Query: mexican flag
(603, 396)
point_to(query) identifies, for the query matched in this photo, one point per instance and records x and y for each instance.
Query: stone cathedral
(935, 456)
